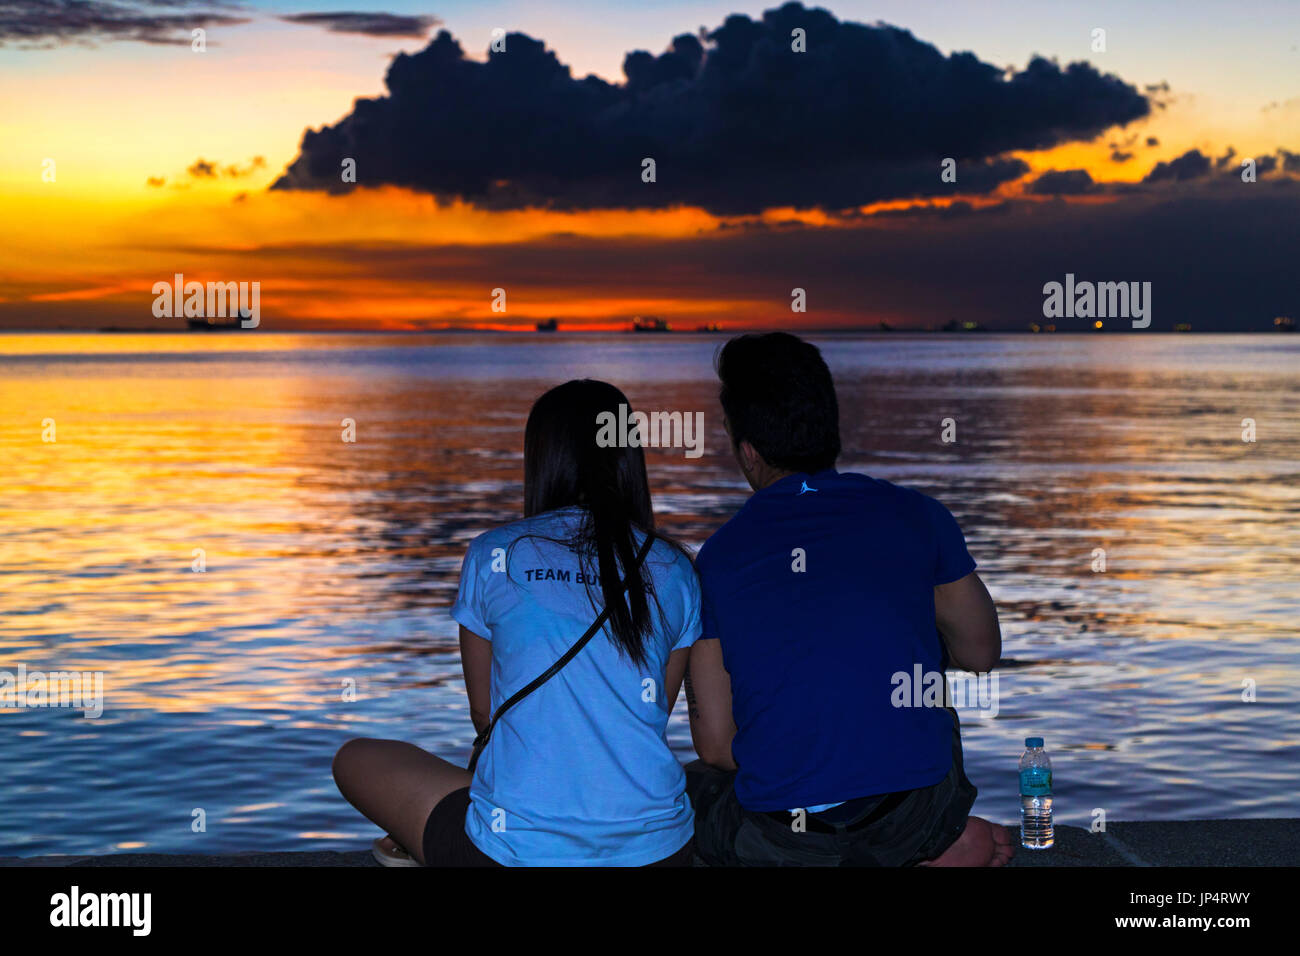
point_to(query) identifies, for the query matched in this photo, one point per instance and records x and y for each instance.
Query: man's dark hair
(778, 395)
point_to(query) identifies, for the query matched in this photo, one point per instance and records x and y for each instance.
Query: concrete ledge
(291, 858)
(1225, 843)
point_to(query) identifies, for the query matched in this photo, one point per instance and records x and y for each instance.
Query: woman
(579, 772)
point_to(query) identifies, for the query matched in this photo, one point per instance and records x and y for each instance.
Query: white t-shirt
(578, 773)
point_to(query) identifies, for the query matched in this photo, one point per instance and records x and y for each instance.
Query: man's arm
(708, 697)
(968, 621)
(476, 662)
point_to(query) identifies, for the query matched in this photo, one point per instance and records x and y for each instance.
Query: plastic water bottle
(1036, 831)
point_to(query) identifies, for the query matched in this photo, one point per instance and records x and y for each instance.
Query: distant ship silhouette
(648, 323)
(217, 325)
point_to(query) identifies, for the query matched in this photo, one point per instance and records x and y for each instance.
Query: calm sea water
(330, 562)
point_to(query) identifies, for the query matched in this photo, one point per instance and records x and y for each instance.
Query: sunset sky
(775, 169)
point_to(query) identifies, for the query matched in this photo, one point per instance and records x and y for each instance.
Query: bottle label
(1036, 782)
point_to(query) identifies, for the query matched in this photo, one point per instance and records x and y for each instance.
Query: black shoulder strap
(481, 740)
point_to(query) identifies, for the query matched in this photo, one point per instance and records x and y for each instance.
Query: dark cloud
(1159, 95)
(367, 24)
(1263, 166)
(49, 23)
(1066, 182)
(1195, 171)
(203, 169)
(961, 209)
(235, 171)
(736, 122)
(1193, 164)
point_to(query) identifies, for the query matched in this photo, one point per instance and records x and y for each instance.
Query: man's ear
(749, 456)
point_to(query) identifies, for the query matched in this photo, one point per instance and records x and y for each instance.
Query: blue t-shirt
(579, 773)
(813, 653)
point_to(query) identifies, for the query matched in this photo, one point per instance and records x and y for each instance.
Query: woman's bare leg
(396, 785)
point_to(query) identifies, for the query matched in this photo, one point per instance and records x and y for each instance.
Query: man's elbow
(980, 664)
(984, 657)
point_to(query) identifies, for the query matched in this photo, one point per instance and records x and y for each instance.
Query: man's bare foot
(980, 844)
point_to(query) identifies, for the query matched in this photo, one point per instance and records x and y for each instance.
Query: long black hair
(564, 466)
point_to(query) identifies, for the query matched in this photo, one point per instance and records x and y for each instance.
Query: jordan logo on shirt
(805, 488)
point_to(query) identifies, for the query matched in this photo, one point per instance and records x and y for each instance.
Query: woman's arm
(476, 662)
(676, 670)
(708, 697)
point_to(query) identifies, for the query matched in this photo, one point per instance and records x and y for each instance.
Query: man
(825, 596)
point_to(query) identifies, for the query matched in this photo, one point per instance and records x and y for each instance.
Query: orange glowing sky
(85, 249)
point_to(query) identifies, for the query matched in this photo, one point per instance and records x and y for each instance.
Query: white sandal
(386, 857)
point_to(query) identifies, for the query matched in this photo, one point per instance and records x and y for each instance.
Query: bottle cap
(1033, 742)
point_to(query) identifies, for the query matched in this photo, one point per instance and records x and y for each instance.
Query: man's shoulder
(884, 490)
(862, 505)
(845, 491)
(920, 511)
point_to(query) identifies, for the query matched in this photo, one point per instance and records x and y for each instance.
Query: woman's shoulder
(549, 523)
(487, 550)
(672, 560)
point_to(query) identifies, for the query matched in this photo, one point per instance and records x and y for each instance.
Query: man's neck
(771, 477)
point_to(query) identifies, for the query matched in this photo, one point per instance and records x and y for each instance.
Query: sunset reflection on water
(330, 562)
